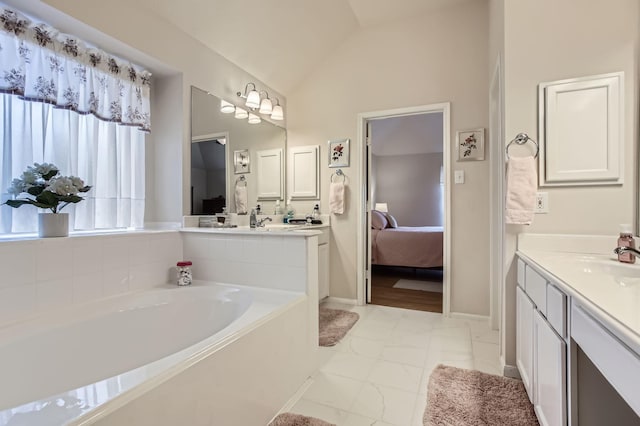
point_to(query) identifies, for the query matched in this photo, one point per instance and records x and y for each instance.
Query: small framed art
(339, 153)
(241, 161)
(470, 145)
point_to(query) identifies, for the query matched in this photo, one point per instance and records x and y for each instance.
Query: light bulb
(253, 99)
(277, 113)
(241, 113)
(254, 119)
(226, 107)
(266, 106)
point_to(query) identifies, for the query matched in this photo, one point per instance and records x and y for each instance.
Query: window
(77, 107)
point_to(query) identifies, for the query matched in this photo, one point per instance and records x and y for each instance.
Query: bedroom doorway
(405, 154)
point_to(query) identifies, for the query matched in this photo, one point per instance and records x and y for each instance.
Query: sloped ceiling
(280, 41)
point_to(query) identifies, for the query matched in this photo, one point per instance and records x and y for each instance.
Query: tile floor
(378, 374)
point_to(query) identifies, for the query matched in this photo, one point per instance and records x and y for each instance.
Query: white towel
(521, 190)
(241, 199)
(336, 197)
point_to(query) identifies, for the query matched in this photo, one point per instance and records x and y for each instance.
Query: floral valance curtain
(41, 64)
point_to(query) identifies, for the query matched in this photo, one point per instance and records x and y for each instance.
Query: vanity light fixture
(259, 102)
(265, 105)
(226, 107)
(241, 113)
(277, 113)
(254, 119)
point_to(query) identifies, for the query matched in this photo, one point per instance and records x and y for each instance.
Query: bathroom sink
(622, 273)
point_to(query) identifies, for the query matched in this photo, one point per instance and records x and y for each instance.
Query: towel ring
(240, 180)
(521, 139)
(339, 173)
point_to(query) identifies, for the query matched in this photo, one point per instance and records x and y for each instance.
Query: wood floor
(383, 293)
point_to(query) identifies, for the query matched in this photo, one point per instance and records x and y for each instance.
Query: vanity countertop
(287, 230)
(610, 290)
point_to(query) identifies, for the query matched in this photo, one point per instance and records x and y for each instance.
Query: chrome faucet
(260, 223)
(622, 249)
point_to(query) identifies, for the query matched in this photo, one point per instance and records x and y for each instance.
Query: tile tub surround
(44, 274)
(378, 373)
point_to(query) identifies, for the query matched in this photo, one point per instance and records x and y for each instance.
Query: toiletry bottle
(626, 240)
(258, 209)
(316, 212)
(277, 210)
(290, 212)
(252, 219)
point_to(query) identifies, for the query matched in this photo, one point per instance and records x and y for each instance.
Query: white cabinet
(541, 354)
(304, 168)
(323, 264)
(550, 383)
(524, 340)
(270, 177)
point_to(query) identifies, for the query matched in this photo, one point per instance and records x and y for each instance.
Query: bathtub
(120, 360)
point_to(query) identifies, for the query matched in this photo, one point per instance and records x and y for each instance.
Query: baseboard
(473, 317)
(511, 371)
(331, 299)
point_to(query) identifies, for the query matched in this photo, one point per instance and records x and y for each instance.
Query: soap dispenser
(626, 240)
(316, 212)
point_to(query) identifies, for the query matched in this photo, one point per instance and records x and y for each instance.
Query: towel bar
(521, 139)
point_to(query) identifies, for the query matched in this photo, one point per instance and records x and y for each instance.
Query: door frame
(363, 207)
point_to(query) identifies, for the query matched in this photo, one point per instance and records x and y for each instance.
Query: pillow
(378, 220)
(393, 223)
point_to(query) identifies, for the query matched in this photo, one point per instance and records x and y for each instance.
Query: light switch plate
(459, 176)
(542, 202)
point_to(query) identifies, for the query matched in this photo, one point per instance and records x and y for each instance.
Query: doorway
(404, 243)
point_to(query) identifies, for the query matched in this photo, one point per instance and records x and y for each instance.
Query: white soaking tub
(82, 365)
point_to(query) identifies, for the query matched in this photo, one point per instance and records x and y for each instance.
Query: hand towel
(521, 190)
(336, 197)
(241, 199)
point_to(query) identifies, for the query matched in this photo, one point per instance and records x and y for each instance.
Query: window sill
(90, 233)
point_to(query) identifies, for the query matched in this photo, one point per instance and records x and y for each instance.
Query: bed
(409, 246)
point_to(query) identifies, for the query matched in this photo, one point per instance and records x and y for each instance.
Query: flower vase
(53, 225)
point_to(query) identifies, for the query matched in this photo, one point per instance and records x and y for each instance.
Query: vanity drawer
(557, 310)
(521, 274)
(536, 288)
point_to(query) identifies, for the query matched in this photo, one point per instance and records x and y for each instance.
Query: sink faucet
(260, 223)
(631, 250)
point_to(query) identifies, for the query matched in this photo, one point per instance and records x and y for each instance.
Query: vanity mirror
(215, 138)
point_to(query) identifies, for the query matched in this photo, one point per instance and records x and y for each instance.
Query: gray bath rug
(456, 396)
(334, 324)
(290, 419)
(418, 285)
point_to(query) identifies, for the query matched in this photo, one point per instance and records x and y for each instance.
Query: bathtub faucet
(260, 223)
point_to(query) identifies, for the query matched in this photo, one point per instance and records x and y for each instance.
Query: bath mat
(290, 419)
(456, 396)
(334, 324)
(419, 285)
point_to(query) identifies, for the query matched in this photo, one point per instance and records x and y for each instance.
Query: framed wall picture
(241, 161)
(470, 145)
(339, 153)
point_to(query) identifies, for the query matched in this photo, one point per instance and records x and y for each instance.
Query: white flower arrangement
(48, 189)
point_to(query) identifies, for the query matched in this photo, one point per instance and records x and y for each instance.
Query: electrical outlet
(542, 202)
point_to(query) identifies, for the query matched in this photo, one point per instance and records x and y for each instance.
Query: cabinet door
(550, 385)
(303, 164)
(323, 271)
(524, 340)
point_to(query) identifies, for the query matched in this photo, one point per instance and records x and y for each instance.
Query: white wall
(575, 38)
(410, 185)
(417, 61)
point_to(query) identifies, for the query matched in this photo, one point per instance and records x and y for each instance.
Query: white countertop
(289, 231)
(608, 289)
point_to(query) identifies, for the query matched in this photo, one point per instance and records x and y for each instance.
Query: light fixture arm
(246, 90)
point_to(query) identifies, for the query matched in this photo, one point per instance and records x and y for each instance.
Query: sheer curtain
(65, 102)
(105, 155)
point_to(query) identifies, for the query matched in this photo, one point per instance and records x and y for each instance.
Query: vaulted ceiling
(281, 41)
